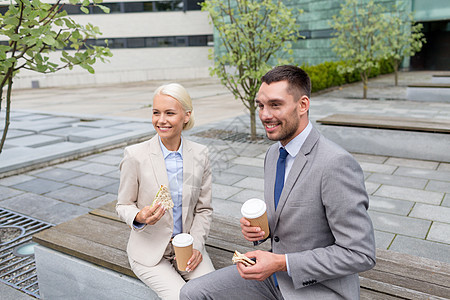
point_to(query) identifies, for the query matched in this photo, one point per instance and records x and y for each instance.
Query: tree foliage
(404, 38)
(360, 37)
(34, 29)
(252, 35)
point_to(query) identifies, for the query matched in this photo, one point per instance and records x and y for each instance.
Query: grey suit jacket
(142, 172)
(321, 221)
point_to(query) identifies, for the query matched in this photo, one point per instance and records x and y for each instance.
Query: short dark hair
(297, 79)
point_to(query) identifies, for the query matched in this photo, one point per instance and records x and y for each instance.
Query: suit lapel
(188, 178)
(299, 163)
(157, 162)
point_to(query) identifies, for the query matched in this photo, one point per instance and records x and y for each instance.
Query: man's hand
(252, 234)
(267, 263)
(150, 215)
(195, 259)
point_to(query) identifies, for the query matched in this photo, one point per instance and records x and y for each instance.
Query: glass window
(133, 6)
(181, 41)
(198, 40)
(136, 43)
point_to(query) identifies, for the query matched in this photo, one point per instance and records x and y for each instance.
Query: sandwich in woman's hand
(163, 197)
(241, 258)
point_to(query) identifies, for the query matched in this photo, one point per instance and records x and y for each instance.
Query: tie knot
(283, 153)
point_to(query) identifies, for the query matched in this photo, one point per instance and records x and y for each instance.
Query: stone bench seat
(430, 92)
(86, 257)
(387, 122)
(415, 138)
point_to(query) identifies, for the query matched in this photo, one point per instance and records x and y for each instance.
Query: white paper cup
(255, 210)
(182, 245)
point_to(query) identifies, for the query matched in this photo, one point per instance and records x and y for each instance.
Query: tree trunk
(252, 110)
(365, 80)
(396, 64)
(7, 113)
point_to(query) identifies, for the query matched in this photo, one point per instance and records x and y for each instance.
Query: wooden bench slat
(108, 257)
(392, 290)
(387, 122)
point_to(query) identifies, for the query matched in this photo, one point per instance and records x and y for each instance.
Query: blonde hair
(179, 93)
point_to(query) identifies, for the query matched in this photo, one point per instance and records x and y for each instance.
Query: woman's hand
(195, 259)
(150, 214)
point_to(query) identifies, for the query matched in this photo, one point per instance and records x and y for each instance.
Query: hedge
(326, 74)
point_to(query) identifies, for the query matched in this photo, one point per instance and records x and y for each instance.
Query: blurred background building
(171, 39)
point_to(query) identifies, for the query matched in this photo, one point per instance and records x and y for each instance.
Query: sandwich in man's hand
(241, 258)
(163, 197)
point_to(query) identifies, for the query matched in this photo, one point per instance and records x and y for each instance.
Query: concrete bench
(415, 138)
(441, 78)
(430, 92)
(86, 257)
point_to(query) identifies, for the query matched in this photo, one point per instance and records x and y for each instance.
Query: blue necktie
(279, 180)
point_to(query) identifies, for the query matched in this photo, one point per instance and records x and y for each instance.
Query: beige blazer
(142, 171)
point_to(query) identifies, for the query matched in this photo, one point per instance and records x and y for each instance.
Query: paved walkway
(409, 198)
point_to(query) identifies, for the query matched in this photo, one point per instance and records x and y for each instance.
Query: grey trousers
(226, 283)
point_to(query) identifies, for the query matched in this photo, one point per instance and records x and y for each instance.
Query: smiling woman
(181, 165)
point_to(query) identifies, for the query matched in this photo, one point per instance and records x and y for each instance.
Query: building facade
(150, 40)
(314, 26)
(171, 39)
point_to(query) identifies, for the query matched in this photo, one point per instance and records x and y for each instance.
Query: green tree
(252, 34)
(33, 30)
(359, 37)
(404, 38)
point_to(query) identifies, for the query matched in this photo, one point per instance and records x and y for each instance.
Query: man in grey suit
(320, 232)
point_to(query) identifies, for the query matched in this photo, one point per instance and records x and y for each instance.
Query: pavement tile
(413, 163)
(246, 170)
(246, 194)
(409, 194)
(58, 174)
(377, 159)
(72, 164)
(389, 205)
(438, 186)
(74, 194)
(377, 168)
(114, 174)
(34, 141)
(439, 232)
(383, 239)
(95, 168)
(112, 188)
(422, 173)
(371, 187)
(133, 126)
(93, 134)
(117, 151)
(224, 178)
(431, 212)
(13, 133)
(61, 212)
(248, 161)
(224, 191)
(90, 181)
(112, 160)
(399, 224)
(12, 180)
(100, 201)
(251, 183)
(6, 192)
(444, 167)
(99, 123)
(226, 208)
(420, 247)
(446, 201)
(403, 181)
(39, 186)
(29, 204)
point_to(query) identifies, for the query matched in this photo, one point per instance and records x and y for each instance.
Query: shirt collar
(166, 152)
(293, 147)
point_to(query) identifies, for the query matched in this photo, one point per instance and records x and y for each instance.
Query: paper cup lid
(182, 240)
(253, 208)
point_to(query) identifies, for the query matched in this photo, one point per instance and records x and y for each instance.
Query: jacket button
(276, 239)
